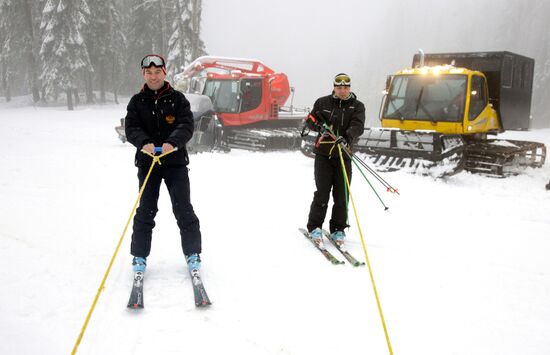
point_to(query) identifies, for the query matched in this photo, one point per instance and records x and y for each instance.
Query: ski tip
(203, 304)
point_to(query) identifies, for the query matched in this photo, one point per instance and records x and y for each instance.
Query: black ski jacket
(161, 116)
(345, 118)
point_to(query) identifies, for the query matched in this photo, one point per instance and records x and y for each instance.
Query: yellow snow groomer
(437, 115)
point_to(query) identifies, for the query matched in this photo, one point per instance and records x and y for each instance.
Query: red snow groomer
(248, 98)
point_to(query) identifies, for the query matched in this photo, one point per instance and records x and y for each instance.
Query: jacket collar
(156, 94)
(339, 101)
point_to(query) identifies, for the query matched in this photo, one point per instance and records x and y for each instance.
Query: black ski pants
(329, 176)
(176, 179)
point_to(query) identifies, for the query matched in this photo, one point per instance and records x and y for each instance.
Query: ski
(343, 250)
(201, 298)
(136, 296)
(321, 248)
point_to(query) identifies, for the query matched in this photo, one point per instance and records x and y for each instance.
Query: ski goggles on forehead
(342, 80)
(152, 60)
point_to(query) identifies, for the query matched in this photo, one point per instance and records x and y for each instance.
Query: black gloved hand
(314, 123)
(319, 127)
(341, 140)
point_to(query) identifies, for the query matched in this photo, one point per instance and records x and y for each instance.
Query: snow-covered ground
(461, 265)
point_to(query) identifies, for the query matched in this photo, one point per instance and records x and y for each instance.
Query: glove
(342, 140)
(314, 123)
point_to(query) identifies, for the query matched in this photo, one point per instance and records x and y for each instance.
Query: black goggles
(342, 80)
(152, 60)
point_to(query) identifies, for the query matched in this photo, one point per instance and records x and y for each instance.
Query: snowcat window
(426, 97)
(478, 97)
(224, 95)
(251, 94)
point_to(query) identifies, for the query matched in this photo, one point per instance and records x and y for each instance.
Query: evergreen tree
(5, 48)
(29, 44)
(63, 51)
(179, 43)
(143, 36)
(185, 44)
(197, 45)
(49, 47)
(116, 49)
(106, 45)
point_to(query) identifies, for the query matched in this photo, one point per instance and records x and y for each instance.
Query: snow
(504, 144)
(461, 265)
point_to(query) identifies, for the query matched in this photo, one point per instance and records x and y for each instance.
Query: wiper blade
(420, 105)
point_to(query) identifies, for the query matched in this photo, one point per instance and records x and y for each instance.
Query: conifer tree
(185, 44)
(63, 50)
(5, 49)
(106, 45)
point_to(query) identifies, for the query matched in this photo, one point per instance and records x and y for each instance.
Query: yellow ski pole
(365, 252)
(156, 159)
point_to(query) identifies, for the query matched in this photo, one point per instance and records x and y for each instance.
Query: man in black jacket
(159, 116)
(344, 115)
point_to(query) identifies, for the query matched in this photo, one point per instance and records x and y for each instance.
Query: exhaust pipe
(421, 54)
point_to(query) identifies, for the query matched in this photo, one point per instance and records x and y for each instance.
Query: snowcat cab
(248, 99)
(436, 116)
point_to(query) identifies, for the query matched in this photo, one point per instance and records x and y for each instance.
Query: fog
(313, 40)
(310, 41)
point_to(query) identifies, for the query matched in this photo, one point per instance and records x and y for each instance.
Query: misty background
(309, 40)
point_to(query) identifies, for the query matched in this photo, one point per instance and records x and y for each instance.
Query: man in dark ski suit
(345, 116)
(159, 116)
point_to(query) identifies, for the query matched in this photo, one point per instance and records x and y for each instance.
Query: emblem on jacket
(170, 119)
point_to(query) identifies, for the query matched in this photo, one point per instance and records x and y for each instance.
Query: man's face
(342, 92)
(154, 77)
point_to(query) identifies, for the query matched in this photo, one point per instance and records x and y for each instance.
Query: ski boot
(338, 237)
(139, 264)
(193, 262)
(317, 236)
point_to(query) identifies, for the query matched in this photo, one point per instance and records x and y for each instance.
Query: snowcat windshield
(224, 95)
(426, 97)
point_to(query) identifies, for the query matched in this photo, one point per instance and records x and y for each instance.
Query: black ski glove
(342, 140)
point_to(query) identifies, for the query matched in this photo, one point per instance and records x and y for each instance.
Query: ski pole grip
(316, 123)
(312, 118)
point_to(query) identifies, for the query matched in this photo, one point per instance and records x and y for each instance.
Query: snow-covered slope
(461, 265)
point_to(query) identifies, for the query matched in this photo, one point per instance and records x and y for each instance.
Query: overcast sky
(312, 40)
(309, 40)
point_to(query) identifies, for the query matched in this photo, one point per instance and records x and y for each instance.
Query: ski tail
(136, 296)
(353, 261)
